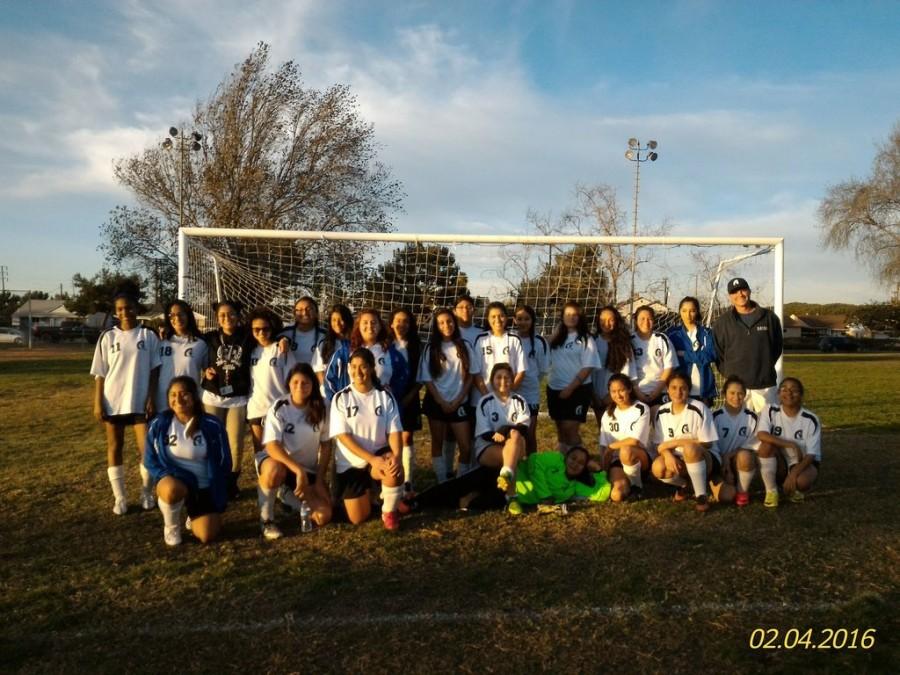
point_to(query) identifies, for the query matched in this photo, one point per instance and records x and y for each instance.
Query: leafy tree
(95, 294)
(418, 276)
(9, 303)
(270, 153)
(577, 275)
(879, 316)
(864, 215)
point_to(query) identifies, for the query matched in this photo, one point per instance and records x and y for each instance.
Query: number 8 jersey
(369, 417)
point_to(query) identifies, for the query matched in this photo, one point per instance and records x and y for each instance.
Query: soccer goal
(422, 272)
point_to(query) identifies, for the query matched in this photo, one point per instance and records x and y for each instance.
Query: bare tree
(273, 154)
(864, 215)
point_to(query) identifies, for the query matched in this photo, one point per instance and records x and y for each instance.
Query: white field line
(313, 621)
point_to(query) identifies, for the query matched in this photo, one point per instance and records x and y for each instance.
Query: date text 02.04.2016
(809, 638)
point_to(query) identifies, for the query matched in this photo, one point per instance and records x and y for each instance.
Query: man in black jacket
(748, 344)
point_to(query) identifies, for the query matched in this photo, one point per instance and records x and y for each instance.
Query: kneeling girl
(624, 439)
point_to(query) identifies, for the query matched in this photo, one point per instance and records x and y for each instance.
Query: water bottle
(306, 524)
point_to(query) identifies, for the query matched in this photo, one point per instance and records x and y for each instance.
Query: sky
(484, 110)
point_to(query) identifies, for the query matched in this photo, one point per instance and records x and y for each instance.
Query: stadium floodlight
(633, 154)
(190, 143)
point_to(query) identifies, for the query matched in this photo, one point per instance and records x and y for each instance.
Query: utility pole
(4, 275)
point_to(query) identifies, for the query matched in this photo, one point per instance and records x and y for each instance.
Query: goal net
(423, 272)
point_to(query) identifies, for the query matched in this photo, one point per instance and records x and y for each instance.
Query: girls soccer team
(356, 385)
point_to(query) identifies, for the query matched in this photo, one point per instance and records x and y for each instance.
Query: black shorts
(126, 420)
(411, 416)
(435, 412)
(199, 502)
(533, 410)
(715, 472)
(354, 483)
(290, 479)
(255, 421)
(573, 408)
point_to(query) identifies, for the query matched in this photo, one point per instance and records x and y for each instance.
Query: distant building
(42, 312)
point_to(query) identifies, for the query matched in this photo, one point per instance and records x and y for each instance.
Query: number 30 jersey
(369, 417)
(633, 422)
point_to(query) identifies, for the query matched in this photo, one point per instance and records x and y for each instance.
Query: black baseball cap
(738, 284)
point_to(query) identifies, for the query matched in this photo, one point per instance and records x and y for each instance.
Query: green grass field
(644, 587)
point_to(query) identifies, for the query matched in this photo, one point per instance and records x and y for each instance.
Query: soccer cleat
(148, 501)
(635, 494)
(797, 497)
(504, 480)
(121, 507)
(771, 500)
(391, 521)
(742, 499)
(514, 508)
(681, 494)
(172, 535)
(702, 504)
(270, 531)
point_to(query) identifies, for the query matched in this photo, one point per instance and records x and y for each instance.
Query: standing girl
(614, 352)
(537, 355)
(444, 370)
(696, 350)
(654, 357)
(497, 345)
(333, 378)
(125, 369)
(305, 335)
(182, 350)
(573, 357)
(404, 342)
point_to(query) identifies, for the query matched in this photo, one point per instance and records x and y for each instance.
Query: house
(816, 326)
(41, 312)
(659, 308)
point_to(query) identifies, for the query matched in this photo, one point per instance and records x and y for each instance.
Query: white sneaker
(187, 524)
(172, 535)
(270, 531)
(121, 507)
(148, 501)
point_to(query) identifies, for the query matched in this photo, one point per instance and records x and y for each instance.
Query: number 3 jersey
(736, 431)
(693, 422)
(633, 422)
(492, 414)
(369, 417)
(804, 430)
(286, 424)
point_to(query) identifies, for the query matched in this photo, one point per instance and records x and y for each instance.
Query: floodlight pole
(633, 154)
(193, 139)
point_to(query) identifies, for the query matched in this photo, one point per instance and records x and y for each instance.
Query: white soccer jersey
(179, 356)
(652, 357)
(804, 429)
(286, 424)
(492, 414)
(303, 343)
(189, 452)
(600, 376)
(268, 370)
(569, 358)
(384, 369)
(125, 359)
(491, 350)
(369, 417)
(537, 356)
(693, 422)
(633, 422)
(450, 382)
(736, 431)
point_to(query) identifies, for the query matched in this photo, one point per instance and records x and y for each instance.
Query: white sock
(633, 471)
(508, 470)
(677, 481)
(117, 481)
(745, 478)
(439, 464)
(768, 469)
(448, 453)
(289, 498)
(171, 512)
(266, 498)
(391, 496)
(408, 459)
(146, 480)
(697, 472)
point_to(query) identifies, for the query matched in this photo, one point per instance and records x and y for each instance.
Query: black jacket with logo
(750, 353)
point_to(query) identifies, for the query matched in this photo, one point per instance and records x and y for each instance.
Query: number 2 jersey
(693, 422)
(736, 431)
(369, 417)
(804, 429)
(286, 424)
(125, 359)
(492, 414)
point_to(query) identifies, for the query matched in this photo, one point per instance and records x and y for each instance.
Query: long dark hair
(329, 344)
(356, 339)
(169, 331)
(560, 333)
(436, 356)
(267, 315)
(529, 310)
(413, 340)
(624, 379)
(315, 405)
(620, 350)
(190, 386)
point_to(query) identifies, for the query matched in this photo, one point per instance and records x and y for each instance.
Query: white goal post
(424, 271)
